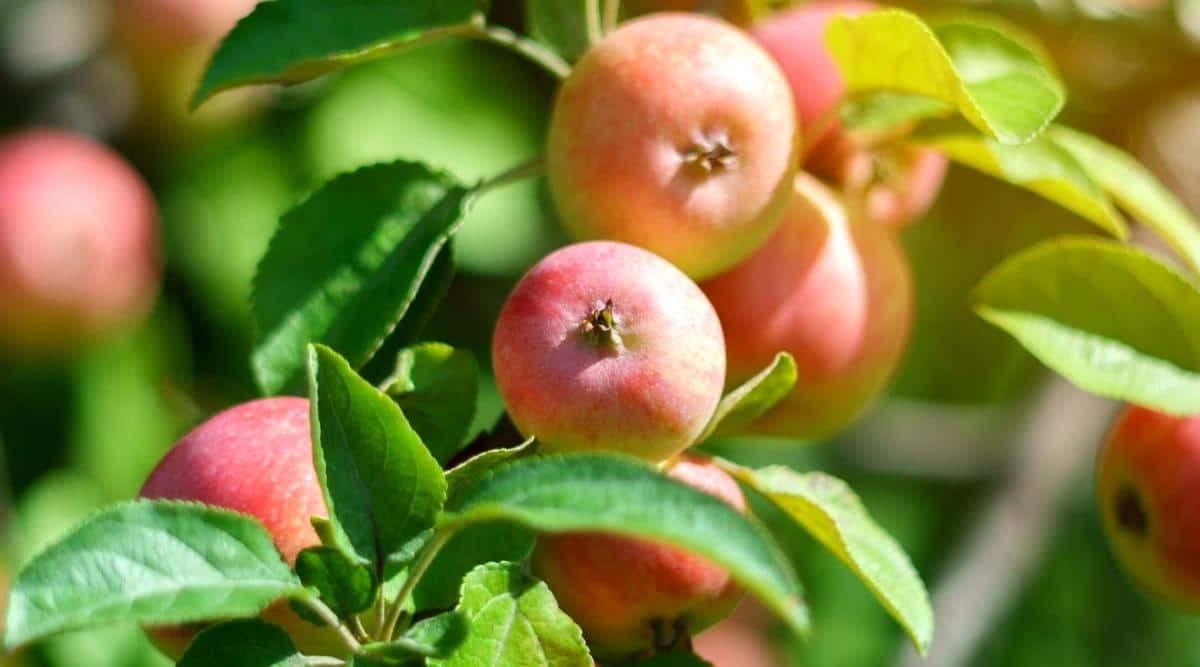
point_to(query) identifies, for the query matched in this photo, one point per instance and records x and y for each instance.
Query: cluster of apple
(678, 141)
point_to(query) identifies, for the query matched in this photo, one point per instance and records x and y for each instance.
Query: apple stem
(525, 170)
(592, 13)
(612, 14)
(418, 570)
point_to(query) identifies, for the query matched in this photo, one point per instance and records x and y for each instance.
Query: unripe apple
(630, 595)
(675, 133)
(78, 242)
(835, 292)
(254, 458)
(606, 346)
(167, 45)
(1146, 484)
(897, 183)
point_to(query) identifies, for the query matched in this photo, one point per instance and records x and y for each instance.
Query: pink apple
(78, 242)
(676, 134)
(1148, 487)
(254, 458)
(832, 290)
(619, 589)
(606, 346)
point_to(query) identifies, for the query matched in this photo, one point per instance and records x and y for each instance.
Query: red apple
(796, 39)
(1146, 484)
(674, 133)
(835, 292)
(78, 242)
(897, 183)
(629, 595)
(255, 458)
(606, 346)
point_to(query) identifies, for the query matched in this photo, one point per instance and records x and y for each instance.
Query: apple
(1147, 477)
(254, 458)
(674, 133)
(602, 345)
(631, 595)
(833, 290)
(897, 183)
(78, 242)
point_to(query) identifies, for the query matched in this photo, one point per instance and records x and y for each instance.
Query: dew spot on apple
(1130, 511)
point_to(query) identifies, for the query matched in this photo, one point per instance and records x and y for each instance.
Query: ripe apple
(78, 242)
(254, 458)
(674, 133)
(896, 182)
(630, 595)
(1148, 473)
(606, 346)
(834, 291)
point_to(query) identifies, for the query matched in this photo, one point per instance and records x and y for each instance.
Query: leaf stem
(414, 576)
(527, 169)
(592, 13)
(612, 15)
(540, 55)
(323, 661)
(359, 631)
(326, 614)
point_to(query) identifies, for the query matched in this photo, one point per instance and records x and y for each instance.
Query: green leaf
(830, 511)
(347, 263)
(250, 643)
(437, 387)
(382, 487)
(885, 111)
(1136, 190)
(1109, 318)
(150, 562)
(615, 494)
(511, 617)
(464, 475)
(753, 398)
(1040, 166)
(346, 586)
(434, 637)
(289, 41)
(562, 26)
(999, 85)
(467, 549)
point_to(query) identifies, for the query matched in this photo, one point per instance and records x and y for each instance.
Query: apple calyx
(602, 325)
(1130, 512)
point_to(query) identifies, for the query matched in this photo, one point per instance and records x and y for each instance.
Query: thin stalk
(326, 614)
(527, 169)
(323, 661)
(534, 51)
(359, 631)
(591, 10)
(380, 614)
(414, 576)
(612, 15)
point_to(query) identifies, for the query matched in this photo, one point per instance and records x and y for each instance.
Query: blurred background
(976, 461)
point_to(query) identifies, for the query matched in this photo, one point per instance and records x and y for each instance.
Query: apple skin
(78, 242)
(616, 588)
(648, 394)
(1148, 474)
(834, 291)
(254, 458)
(675, 133)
